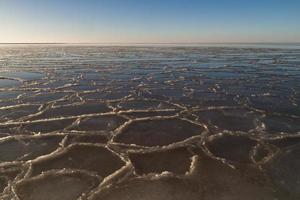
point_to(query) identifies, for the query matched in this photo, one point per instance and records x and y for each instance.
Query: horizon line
(283, 43)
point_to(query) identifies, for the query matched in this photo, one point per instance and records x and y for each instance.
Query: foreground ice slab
(160, 189)
(56, 185)
(284, 171)
(158, 132)
(176, 160)
(82, 157)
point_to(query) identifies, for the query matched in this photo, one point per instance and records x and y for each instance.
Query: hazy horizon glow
(144, 21)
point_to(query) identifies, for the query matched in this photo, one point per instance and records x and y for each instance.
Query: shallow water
(159, 123)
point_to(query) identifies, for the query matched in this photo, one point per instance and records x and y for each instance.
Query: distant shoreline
(163, 43)
(31, 43)
(169, 45)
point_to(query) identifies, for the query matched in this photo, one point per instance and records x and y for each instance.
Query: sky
(149, 21)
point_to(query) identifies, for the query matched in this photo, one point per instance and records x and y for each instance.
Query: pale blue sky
(149, 21)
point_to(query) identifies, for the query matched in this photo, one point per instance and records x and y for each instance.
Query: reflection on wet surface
(159, 123)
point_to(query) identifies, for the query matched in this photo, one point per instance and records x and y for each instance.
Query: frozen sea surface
(149, 123)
